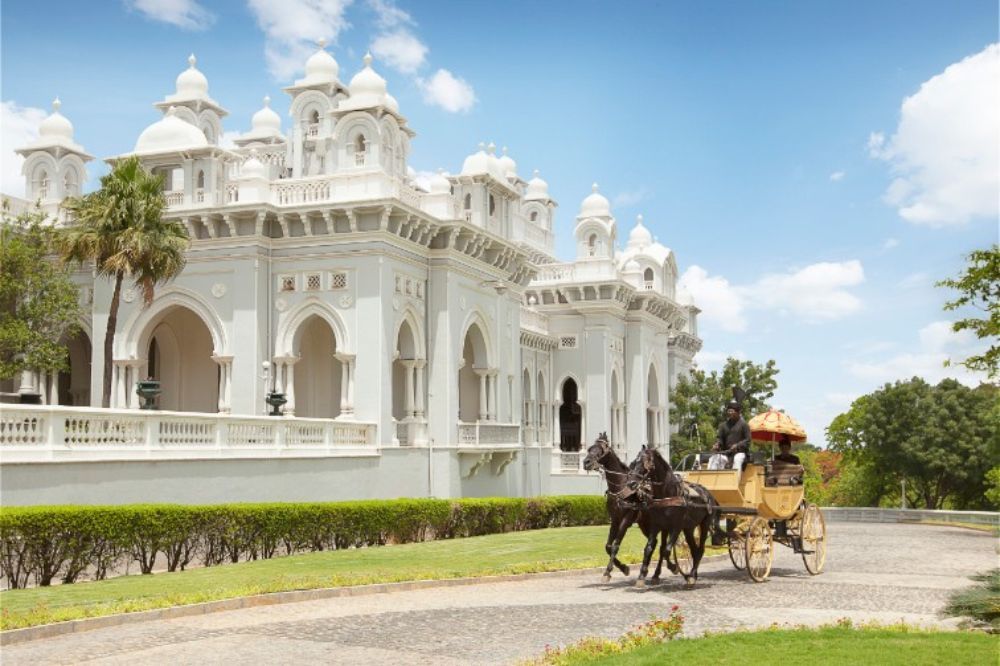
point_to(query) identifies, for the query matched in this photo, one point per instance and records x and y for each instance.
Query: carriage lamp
(148, 389)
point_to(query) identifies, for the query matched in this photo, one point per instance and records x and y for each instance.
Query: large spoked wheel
(812, 531)
(682, 554)
(759, 550)
(738, 548)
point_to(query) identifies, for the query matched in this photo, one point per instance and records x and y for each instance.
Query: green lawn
(516, 552)
(829, 645)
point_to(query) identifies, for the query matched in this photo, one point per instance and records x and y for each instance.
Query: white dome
(537, 189)
(639, 237)
(266, 121)
(595, 205)
(367, 82)
(632, 266)
(56, 125)
(191, 83)
(507, 165)
(391, 102)
(482, 163)
(253, 168)
(439, 183)
(168, 134)
(320, 67)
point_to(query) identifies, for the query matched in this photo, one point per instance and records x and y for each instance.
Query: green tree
(942, 439)
(698, 402)
(980, 287)
(39, 304)
(120, 230)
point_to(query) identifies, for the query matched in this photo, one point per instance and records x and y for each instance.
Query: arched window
(647, 277)
(314, 117)
(534, 216)
(70, 188)
(468, 202)
(592, 244)
(360, 146)
(201, 180)
(42, 184)
(493, 206)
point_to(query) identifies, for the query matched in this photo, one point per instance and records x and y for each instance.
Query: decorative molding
(218, 290)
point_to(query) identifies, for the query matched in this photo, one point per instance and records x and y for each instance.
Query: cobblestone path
(873, 572)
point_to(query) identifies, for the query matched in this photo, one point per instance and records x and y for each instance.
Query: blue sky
(759, 140)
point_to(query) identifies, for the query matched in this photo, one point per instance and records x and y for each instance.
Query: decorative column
(346, 385)
(54, 387)
(225, 378)
(494, 394)
(420, 363)
(408, 407)
(482, 374)
(121, 373)
(289, 364)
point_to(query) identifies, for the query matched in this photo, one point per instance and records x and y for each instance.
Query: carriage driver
(733, 439)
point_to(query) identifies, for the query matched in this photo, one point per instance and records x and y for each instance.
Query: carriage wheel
(812, 530)
(738, 548)
(759, 550)
(682, 553)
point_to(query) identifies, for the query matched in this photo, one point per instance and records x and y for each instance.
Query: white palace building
(427, 339)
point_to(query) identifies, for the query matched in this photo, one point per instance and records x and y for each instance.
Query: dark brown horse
(671, 506)
(601, 457)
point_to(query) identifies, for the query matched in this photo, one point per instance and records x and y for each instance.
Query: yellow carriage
(764, 503)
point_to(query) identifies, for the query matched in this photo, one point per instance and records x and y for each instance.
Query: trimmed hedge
(41, 544)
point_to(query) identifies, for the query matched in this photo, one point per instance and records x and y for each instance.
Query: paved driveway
(873, 571)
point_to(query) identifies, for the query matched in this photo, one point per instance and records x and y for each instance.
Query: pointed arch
(413, 319)
(484, 354)
(290, 322)
(138, 329)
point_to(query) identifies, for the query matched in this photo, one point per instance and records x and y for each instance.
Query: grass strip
(892, 645)
(515, 552)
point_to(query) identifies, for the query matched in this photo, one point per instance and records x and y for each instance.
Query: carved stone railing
(488, 433)
(174, 198)
(533, 320)
(568, 462)
(42, 433)
(555, 273)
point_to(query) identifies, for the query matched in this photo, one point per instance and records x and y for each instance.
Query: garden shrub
(39, 544)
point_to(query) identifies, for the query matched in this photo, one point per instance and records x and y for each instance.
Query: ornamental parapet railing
(489, 433)
(42, 433)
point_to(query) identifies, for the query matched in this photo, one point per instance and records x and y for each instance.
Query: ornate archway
(570, 417)
(179, 354)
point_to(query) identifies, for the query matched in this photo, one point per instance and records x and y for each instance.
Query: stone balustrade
(31, 433)
(488, 433)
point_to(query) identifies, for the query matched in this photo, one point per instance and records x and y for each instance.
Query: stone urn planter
(148, 390)
(276, 400)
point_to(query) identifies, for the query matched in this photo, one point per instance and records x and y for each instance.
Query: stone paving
(874, 572)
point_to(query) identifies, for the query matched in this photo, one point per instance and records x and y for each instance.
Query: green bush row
(42, 544)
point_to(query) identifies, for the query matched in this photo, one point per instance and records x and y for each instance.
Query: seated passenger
(786, 454)
(718, 460)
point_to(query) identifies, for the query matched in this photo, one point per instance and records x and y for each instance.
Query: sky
(815, 167)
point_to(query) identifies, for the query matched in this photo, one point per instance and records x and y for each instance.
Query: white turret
(54, 163)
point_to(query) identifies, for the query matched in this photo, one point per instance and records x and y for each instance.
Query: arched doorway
(74, 385)
(475, 385)
(403, 366)
(652, 408)
(317, 379)
(179, 356)
(570, 417)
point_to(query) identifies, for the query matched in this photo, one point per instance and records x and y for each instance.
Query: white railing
(41, 433)
(555, 273)
(568, 462)
(487, 433)
(312, 130)
(884, 515)
(15, 206)
(407, 194)
(534, 320)
(174, 198)
(285, 193)
(232, 193)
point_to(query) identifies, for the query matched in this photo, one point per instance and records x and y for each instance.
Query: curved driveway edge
(14, 636)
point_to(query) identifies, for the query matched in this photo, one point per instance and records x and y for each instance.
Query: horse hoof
(655, 580)
(673, 568)
(606, 578)
(640, 583)
(625, 569)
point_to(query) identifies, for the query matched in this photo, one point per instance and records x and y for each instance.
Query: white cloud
(945, 152)
(388, 15)
(914, 281)
(421, 178)
(720, 302)
(401, 50)
(890, 243)
(713, 360)
(447, 91)
(187, 14)
(630, 198)
(19, 126)
(937, 344)
(819, 292)
(837, 176)
(292, 28)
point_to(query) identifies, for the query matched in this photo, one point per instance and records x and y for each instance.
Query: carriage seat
(785, 474)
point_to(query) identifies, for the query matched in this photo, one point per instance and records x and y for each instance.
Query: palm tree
(121, 230)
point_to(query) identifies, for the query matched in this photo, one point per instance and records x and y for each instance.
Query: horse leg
(615, 535)
(659, 561)
(698, 551)
(647, 553)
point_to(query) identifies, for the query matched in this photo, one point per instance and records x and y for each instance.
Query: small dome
(56, 125)
(191, 83)
(266, 121)
(537, 189)
(595, 205)
(507, 165)
(439, 183)
(168, 134)
(253, 168)
(482, 163)
(367, 81)
(320, 67)
(639, 237)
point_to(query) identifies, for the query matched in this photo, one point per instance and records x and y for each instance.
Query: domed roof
(391, 102)
(482, 163)
(507, 165)
(367, 81)
(191, 83)
(537, 189)
(56, 125)
(595, 205)
(266, 120)
(320, 67)
(632, 266)
(439, 183)
(169, 134)
(640, 236)
(253, 167)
